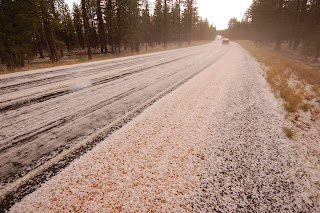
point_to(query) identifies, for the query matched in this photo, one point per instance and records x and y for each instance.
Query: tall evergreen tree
(165, 23)
(48, 27)
(86, 26)
(78, 23)
(300, 23)
(278, 21)
(17, 31)
(158, 22)
(111, 20)
(146, 22)
(188, 15)
(102, 34)
(43, 32)
(48, 22)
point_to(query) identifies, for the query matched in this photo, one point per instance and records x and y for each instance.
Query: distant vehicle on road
(225, 41)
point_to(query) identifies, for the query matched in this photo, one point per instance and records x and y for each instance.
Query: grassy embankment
(76, 58)
(297, 84)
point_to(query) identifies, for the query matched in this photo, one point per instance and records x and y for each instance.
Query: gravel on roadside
(247, 162)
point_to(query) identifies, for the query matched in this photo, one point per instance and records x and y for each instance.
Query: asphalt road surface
(44, 112)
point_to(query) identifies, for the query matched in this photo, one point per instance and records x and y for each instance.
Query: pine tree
(189, 15)
(179, 20)
(110, 20)
(63, 27)
(18, 28)
(300, 23)
(48, 28)
(146, 22)
(158, 22)
(48, 23)
(77, 22)
(279, 24)
(43, 32)
(102, 34)
(86, 26)
(91, 7)
(165, 23)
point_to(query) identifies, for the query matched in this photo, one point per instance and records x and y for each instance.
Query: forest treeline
(30, 28)
(294, 22)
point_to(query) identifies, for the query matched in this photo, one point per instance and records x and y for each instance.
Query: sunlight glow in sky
(218, 12)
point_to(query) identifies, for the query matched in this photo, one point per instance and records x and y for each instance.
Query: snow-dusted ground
(44, 112)
(214, 144)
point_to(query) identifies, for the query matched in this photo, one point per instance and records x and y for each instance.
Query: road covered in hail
(210, 139)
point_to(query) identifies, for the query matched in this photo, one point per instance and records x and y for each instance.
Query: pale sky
(218, 12)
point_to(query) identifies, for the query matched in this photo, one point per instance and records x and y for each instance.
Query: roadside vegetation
(296, 83)
(284, 36)
(288, 131)
(291, 24)
(33, 31)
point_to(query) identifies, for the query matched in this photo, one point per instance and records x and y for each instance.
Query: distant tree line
(48, 27)
(296, 22)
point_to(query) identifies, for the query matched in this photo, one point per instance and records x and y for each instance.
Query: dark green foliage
(296, 22)
(158, 28)
(146, 22)
(78, 24)
(18, 26)
(49, 28)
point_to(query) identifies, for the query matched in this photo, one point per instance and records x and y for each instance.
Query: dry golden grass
(299, 86)
(286, 76)
(76, 59)
(289, 132)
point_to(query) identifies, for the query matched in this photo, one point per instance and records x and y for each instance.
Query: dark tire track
(96, 82)
(25, 138)
(62, 77)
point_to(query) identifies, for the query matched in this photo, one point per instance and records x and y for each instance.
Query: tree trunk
(278, 44)
(102, 34)
(68, 43)
(279, 26)
(51, 36)
(165, 24)
(39, 45)
(118, 37)
(21, 59)
(179, 23)
(44, 36)
(94, 40)
(317, 53)
(300, 25)
(82, 41)
(146, 31)
(189, 7)
(110, 35)
(294, 28)
(86, 26)
(189, 30)
(290, 42)
(138, 46)
(40, 49)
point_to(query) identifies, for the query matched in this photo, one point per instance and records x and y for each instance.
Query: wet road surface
(46, 111)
